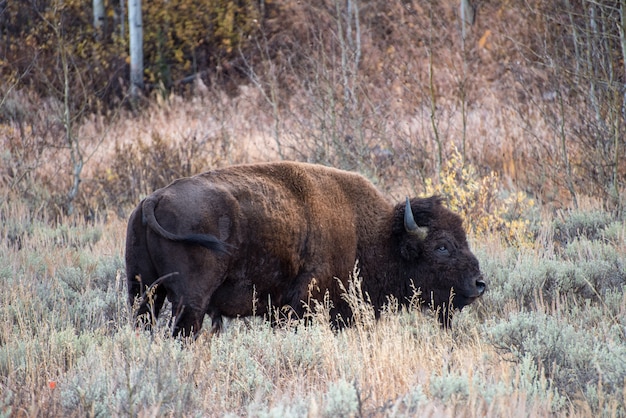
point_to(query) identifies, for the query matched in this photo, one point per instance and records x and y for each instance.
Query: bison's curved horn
(409, 223)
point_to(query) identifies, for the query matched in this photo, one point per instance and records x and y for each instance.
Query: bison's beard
(460, 301)
(442, 300)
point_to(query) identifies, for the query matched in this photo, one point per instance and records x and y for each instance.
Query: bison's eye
(442, 250)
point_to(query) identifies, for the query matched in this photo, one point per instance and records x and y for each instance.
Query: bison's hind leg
(189, 320)
(147, 305)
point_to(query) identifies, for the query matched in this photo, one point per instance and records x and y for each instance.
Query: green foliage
(565, 324)
(583, 271)
(6, 400)
(575, 223)
(285, 409)
(408, 404)
(537, 386)
(450, 388)
(342, 399)
(574, 357)
(124, 376)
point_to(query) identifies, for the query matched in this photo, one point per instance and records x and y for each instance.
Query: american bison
(214, 242)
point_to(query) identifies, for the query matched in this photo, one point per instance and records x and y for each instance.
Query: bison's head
(436, 254)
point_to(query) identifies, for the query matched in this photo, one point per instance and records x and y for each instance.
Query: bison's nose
(481, 286)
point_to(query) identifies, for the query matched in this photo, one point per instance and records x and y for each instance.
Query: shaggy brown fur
(218, 240)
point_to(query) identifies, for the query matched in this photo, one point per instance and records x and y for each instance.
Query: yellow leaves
(178, 31)
(110, 175)
(482, 42)
(226, 25)
(484, 206)
(179, 37)
(179, 55)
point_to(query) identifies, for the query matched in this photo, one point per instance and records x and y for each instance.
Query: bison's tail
(208, 241)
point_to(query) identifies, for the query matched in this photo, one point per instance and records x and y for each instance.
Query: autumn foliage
(388, 88)
(181, 38)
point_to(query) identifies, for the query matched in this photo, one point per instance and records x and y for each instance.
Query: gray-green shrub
(577, 357)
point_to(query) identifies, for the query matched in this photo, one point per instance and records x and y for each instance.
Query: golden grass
(67, 347)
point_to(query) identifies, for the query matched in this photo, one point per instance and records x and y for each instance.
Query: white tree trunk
(122, 18)
(136, 47)
(98, 14)
(466, 11)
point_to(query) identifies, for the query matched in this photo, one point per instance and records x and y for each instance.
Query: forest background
(514, 111)
(532, 91)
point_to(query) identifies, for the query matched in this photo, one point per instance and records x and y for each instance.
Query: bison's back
(294, 195)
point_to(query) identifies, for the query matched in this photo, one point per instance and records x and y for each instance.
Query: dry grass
(412, 91)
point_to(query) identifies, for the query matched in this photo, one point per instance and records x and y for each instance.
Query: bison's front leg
(187, 319)
(216, 320)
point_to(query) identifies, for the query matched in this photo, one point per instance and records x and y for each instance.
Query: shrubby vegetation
(485, 207)
(181, 38)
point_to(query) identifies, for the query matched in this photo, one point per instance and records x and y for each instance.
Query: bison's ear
(410, 249)
(420, 232)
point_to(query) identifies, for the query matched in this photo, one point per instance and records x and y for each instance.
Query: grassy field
(548, 338)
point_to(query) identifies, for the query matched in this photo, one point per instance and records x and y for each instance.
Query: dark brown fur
(220, 239)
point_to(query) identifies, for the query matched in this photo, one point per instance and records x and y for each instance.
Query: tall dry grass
(547, 338)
